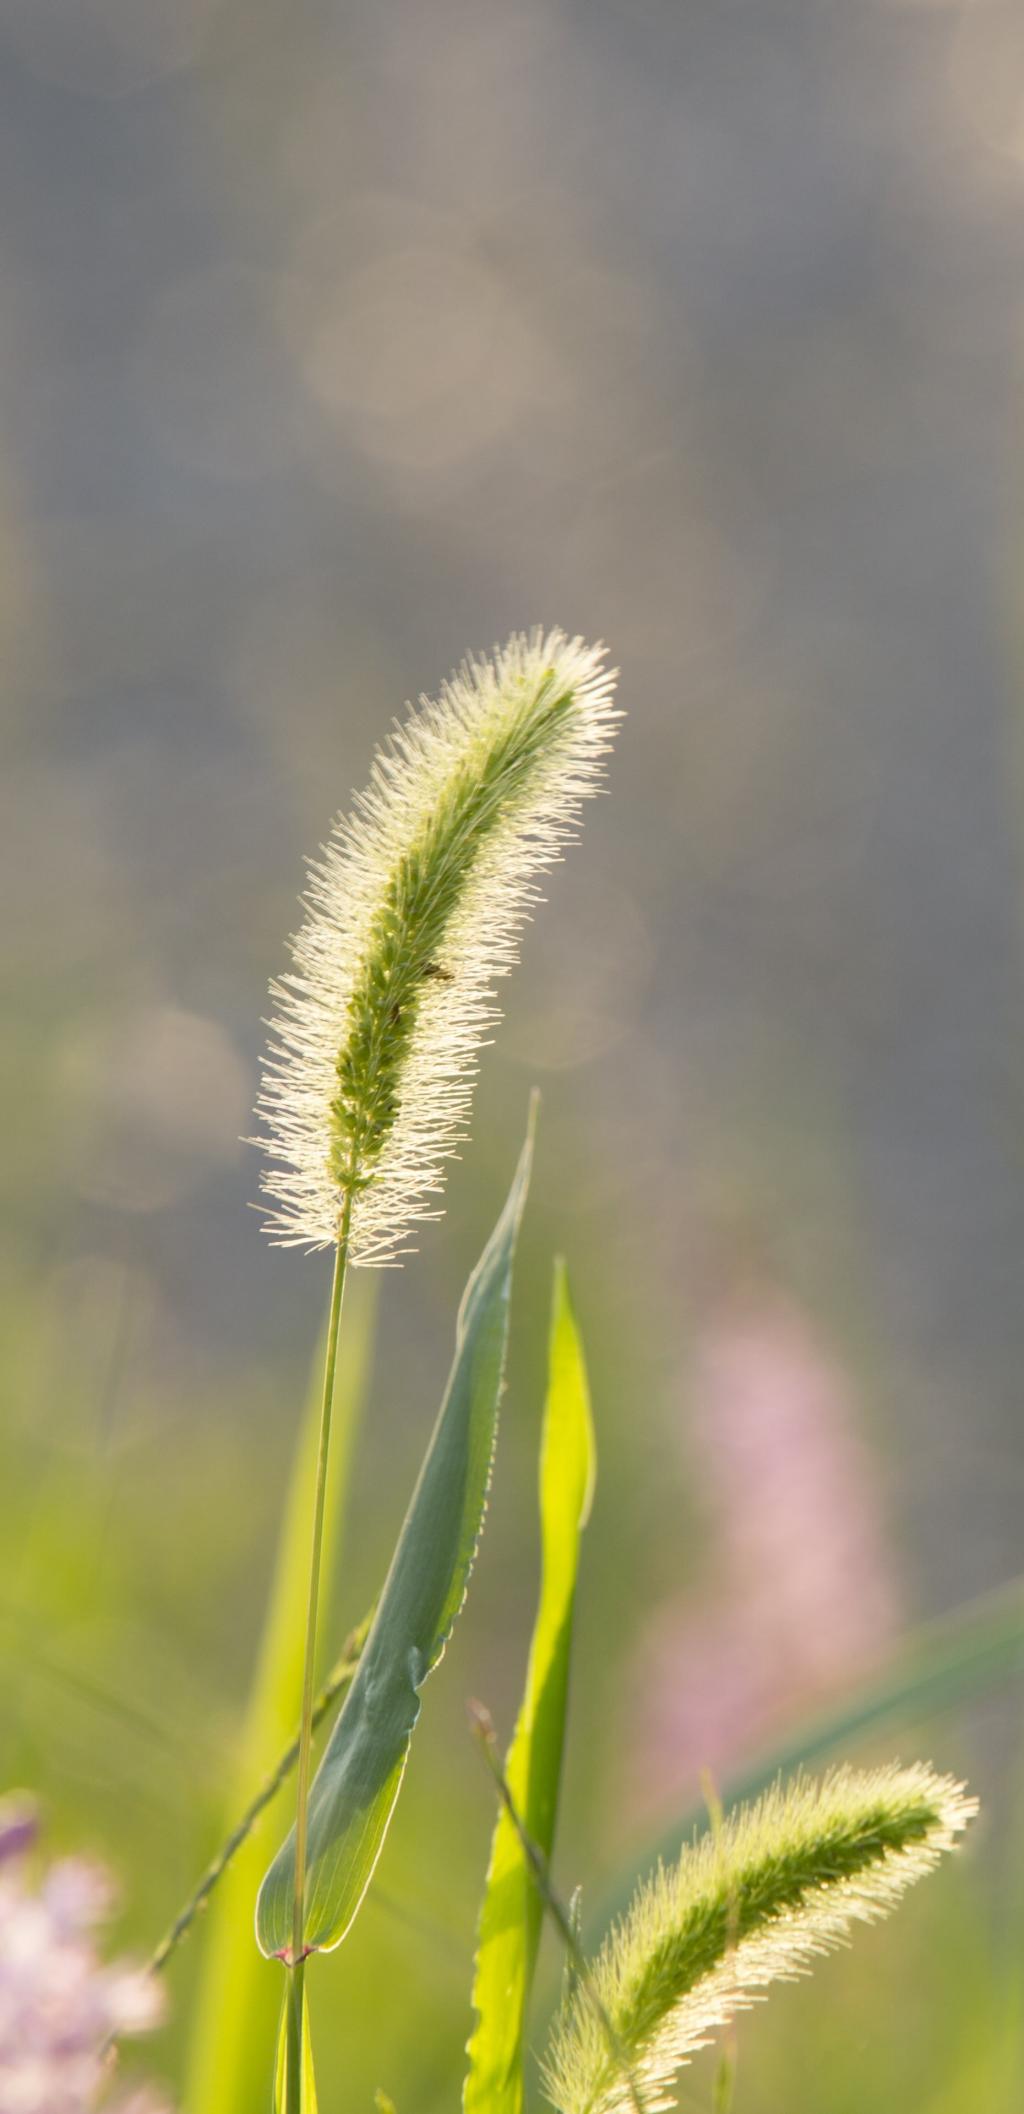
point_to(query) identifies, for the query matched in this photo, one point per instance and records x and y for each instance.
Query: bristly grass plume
(750, 1903)
(412, 911)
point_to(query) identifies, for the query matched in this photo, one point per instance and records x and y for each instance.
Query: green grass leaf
(511, 1914)
(232, 2041)
(357, 1784)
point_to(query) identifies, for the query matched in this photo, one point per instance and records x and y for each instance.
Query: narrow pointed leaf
(232, 2041)
(511, 1914)
(357, 1784)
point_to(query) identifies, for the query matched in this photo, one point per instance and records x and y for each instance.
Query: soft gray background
(336, 340)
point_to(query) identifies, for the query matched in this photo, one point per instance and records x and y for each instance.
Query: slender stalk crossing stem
(338, 1681)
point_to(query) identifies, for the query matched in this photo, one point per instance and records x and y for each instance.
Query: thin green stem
(316, 1550)
(293, 2101)
(297, 1963)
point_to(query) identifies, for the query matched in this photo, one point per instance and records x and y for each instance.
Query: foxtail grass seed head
(413, 910)
(752, 1902)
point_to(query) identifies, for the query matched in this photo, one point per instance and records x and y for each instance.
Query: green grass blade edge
(510, 1917)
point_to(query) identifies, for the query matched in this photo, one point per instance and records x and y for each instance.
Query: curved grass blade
(943, 1664)
(510, 1918)
(358, 1781)
(232, 2041)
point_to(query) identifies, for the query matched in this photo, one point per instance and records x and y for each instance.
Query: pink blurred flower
(59, 2003)
(801, 1595)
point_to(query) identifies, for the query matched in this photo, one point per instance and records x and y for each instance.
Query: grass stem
(298, 1950)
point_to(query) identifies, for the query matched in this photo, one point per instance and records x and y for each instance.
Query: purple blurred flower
(59, 2003)
(802, 1594)
(19, 1826)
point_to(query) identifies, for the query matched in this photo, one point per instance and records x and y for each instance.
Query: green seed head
(412, 912)
(752, 1902)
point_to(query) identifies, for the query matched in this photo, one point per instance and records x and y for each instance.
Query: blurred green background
(337, 340)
